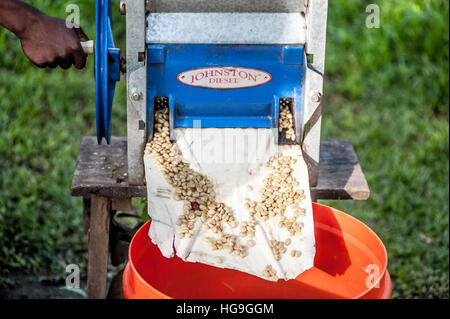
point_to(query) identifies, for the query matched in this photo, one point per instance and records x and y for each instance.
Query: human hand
(48, 42)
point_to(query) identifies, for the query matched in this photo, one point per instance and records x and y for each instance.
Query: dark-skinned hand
(50, 43)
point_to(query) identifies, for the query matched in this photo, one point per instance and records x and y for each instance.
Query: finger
(38, 64)
(81, 35)
(78, 55)
(42, 66)
(79, 58)
(53, 64)
(66, 63)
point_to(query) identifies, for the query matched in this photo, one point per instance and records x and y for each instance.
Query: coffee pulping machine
(226, 63)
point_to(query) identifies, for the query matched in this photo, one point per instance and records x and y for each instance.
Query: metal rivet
(123, 7)
(316, 97)
(136, 96)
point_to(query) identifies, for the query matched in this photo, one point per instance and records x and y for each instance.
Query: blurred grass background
(386, 91)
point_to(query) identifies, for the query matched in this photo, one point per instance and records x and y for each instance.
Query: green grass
(43, 116)
(386, 91)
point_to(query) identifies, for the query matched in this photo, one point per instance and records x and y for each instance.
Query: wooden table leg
(98, 245)
(86, 213)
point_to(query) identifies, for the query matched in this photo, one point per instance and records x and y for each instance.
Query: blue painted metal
(107, 69)
(252, 107)
(293, 55)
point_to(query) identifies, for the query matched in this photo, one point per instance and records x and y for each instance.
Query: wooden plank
(98, 247)
(102, 170)
(86, 213)
(340, 174)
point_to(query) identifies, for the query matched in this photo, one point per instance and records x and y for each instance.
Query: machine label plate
(226, 77)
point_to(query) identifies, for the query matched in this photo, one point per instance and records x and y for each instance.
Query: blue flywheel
(107, 69)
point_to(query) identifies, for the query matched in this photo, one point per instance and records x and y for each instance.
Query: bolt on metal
(316, 97)
(136, 96)
(123, 7)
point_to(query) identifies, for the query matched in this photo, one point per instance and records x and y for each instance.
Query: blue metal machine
(248, 107)
(223, 64)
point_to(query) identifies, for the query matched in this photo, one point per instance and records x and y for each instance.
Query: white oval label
(225, 77)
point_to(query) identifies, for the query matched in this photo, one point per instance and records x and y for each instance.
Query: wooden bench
(101, 179)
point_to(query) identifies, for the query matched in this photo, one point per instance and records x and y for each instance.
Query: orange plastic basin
(350, 262)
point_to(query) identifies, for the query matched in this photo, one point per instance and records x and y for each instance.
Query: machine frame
(315, 14)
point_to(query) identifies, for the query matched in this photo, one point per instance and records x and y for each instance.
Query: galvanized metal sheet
(226, 28)
(316, 16)
(136, 83)
(226, 5)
